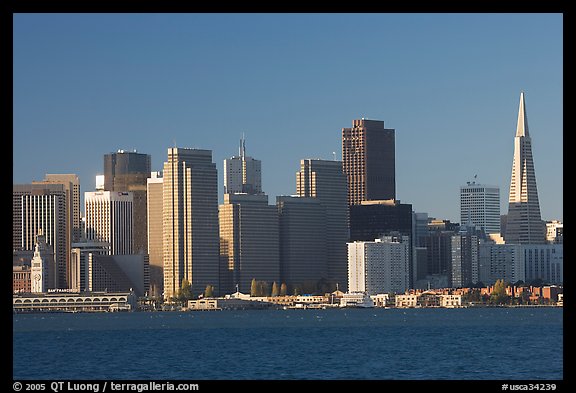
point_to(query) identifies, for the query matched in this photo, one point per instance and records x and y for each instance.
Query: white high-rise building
(242, 174)
(109, 219)
(480, 204)
(379, 266)
(554, 231)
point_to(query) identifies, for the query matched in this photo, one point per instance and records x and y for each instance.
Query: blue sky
(90, 84)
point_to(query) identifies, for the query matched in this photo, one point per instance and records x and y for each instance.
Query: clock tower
(42, 272)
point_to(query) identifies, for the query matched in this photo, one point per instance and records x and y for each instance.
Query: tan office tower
(326, 181)
(368, 157)
(128, 171)
(154, 204)
(249, 243)
(42, 208)
(71, 184)
(524, 225)
(191, 244)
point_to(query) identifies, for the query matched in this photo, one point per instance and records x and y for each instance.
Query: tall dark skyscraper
(524, 225)
(368, 157)
(128, 171)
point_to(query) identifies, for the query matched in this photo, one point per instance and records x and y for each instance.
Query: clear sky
(90, 84)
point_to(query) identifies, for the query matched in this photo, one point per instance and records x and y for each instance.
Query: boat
(356, 299)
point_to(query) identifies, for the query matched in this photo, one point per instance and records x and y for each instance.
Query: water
(384, 344)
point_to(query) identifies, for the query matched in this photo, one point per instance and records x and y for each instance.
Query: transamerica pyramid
(524, 224)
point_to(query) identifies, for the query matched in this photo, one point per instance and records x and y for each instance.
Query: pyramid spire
(522, 127)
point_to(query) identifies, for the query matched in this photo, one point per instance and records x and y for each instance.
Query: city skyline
(150, 82)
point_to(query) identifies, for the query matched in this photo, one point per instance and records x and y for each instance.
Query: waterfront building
(249, 242)
(21, 279)
(42, 207)
(190, 221)
(480, 204)
(326, 181)
(368, 157)
(524, 224)
(242, 174)
(74, 302)
(379, 266)
(43, 267)
(303, 249)
(128, 171)
(154, 204)
(109, 218)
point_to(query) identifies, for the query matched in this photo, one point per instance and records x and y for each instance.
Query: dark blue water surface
(388, 344)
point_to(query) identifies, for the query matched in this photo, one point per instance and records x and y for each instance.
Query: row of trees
(498, 296)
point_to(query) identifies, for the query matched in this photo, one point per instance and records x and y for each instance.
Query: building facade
(154, 204)
(303, 249)
(128, 171)
(379, 266)
(109, 218)
(326, 181)
(242, 174)
(81, 253)
(480, 204)
(524, 224)
(42, 208)
(190, 221)
(501, 262)
(555, 232)
(368, 158)
(43, 267)
(249, 242)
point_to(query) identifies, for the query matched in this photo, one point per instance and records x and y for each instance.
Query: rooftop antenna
(242, 150)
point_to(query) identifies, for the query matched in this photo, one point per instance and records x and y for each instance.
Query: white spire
(522, 127)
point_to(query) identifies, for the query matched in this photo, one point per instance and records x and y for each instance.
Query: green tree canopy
(283, 289)
(254, 288)
(209, 292)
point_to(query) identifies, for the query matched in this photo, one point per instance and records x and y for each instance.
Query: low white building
(379, 266)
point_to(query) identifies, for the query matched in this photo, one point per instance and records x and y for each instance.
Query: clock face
(37, 277)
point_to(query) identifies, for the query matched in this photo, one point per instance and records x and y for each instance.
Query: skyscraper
(249, 242)
(109, 218)
(368, 156)
(303, 255)
(242, 174)
(128, 171)
(190, 226)
(524, 225)
(42, 207)
(326, 181)
(481, 205)
(154, 205)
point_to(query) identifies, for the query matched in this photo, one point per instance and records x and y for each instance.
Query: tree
(254, 288)
(209, 292)
(297, 290)
(283, 289)
(499, 295)
(275, 289)
(185, 292)
(263, 288)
